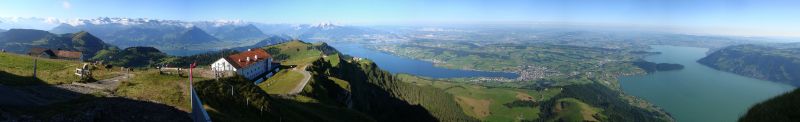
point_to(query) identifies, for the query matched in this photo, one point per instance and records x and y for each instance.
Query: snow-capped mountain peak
(237, 22)
(122, 21)
(325, 26)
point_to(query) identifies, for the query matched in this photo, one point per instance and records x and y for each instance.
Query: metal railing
(199, 113)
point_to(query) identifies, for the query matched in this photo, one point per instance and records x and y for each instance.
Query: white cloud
(66, 4)
(52, 20)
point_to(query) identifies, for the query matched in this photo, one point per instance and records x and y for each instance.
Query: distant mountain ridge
(136, 57)
(761, 62)
(163, 34)
(330, 32)
(235, 32)
(326, 32)
(272, 40)
(64, 28)
(196, 35)
(21, 40)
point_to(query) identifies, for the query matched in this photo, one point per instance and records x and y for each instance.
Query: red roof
(38, 51)
(68, 54)
(240, 60)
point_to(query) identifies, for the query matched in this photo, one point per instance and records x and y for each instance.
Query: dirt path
(47, 94)
(306, 77)
(106, 84)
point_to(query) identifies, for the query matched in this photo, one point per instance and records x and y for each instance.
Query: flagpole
(191, 67)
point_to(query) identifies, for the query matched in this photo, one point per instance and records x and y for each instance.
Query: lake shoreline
(698, 92)
(400, 65)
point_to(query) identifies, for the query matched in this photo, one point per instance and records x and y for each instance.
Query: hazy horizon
(735, 18)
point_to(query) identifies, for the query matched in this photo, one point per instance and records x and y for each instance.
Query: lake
(698, 93)
(398, 64)
(180, 52)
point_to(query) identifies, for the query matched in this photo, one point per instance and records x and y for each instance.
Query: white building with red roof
(252, 64)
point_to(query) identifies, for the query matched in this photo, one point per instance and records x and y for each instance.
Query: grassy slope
(615, 106)
(223, 106)
(574, 110)
(334, 61)
(434, 101)
(283, 82)
(55, 71)
(51, 71)
(374, 91)
(150, 85)
(249, 103)
(300, 53)
(465, 94)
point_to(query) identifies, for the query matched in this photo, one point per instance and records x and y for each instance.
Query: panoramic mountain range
(198, 36)
(162, 34)
(232, 31)
(332, 32)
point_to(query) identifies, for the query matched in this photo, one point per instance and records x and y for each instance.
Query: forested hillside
(761, 62)
(237, 99)
(386, 98)
(21, 40)
(132, 57)
(783, 108)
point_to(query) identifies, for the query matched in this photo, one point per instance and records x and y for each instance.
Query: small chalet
(253, 64)
(42, 52)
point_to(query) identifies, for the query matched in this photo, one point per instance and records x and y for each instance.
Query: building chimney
(249, 49)
(248, 59)
(240, 60)
(255, 57)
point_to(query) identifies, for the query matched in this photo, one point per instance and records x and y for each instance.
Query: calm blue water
(698, 93)
(397, 64)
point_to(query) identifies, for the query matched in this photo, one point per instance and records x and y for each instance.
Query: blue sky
(737, 17)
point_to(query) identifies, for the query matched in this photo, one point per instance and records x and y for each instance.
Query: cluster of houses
(58, 53)
(254, 64)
